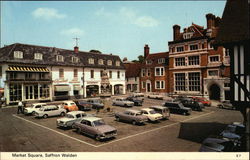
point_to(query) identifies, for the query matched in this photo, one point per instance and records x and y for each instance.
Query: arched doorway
(214, 92)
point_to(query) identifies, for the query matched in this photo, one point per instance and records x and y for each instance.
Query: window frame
(211, 56)
(38, 56)
(59, 58)
(18, 54)
(180, 63)
(161, 71)
(91, 61)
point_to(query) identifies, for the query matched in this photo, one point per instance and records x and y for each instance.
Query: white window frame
(213, 70)
(143, 87)
(162, 71)
(143, 72)
(195, 44)
(180, 47)
(148, 72)
(175, 62)
(91, 61)
(188, 81)
(109, 62)
(148, 61)
(38, 56)
(185, 81)
(117, 63)
(162, 84)
(161, 60)
(18, 54)
(193, 61)
(101, 62)
(59, 58)
(188, 35)
(209, 58)
(74, 59)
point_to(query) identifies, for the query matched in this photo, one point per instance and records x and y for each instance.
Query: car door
(145, 113)
(125, 116)
(89, 128)
(55, 111)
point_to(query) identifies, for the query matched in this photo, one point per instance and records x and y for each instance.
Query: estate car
(33, 108)
(132, 116)
(50, 110)
(155, 96)
(151, 114)
(177, 107)
(122, 102)
(70, 118)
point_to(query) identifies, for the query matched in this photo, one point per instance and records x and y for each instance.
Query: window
(18, 54)
(109, 63)
(180, 61)
(187, 35)
(44, 91)
(110, 74)
(28, 75)
(226, 52)
(92, 74)
(74, 59)
(143, 72)
(41, 75)
(194, 81)
(161, 60)
(91, 61)
(148, 61)
(75, 73)
(61, 73)
(117, 63)
(143, 85)
(180, 49)
(148, 72)
(59, 58)
(159, 84)
(193, 60)
(193, 47)
(159, 71)
(214, 59)
(38, 56)
(227, 84)
(13, 75)
(213, 73)
(15, 92)
(180, 81)
(203, 45)
(100, 61)
(118, 74)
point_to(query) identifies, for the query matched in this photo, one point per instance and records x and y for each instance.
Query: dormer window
(91, 61)
(161, 60)
(187, 35)
(74, 59)
(148, 61)
(18, 54)
(100, 61)
(59, 58)
(117, 63)
(109, 63)
(38, 56)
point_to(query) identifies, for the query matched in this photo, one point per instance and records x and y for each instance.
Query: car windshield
(96, 101)
(99, 123)
(152, 112)
(69, 116)
(72, 103)
(181, 105)
(138, 114)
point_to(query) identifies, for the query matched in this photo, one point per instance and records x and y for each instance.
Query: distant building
(154, 72)
(195, 68)
(37, 73)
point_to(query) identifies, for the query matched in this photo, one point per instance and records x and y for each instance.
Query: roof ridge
(194, 25)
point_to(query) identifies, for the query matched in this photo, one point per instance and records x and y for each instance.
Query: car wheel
(78, 130)
(134, 122)
(184, 113)
(62, 114)
(117, 119)
(125, 105)
(45, 116)
(33, 113)
(67, 110)
(97, 137)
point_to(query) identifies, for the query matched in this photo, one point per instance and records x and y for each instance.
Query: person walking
(19, 107)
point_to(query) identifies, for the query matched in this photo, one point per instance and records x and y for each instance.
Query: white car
(151, 114)
(70, 118)
(122, 102)
(139, 96)
(50, 110)
(155, 96)
(33, 108)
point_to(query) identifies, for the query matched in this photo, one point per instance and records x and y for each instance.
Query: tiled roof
(132, 69)
(49, 56)
(154, 58)
(235, 22)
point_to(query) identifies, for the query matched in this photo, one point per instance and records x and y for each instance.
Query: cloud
(103, 12)
(146, 21)
(47, 13)
(72, 32)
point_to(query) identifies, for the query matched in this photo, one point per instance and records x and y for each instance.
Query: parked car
(70, 106)
(137, 101)
(122, 102)
(132, 116)
(50, 110)
(177, 107)
(217, 145)
(164, 111)
(226, 104)
(190, 103)
(83, 105)
(203, 100)
(33, 108)
(155, 96)
(138, 95)
(234, 131)
(96, 103)
(151, 114)
(95, 127)
(70, 118)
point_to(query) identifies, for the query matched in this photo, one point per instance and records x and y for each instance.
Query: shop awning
(77, 87)
(28, 69)
(62, 88)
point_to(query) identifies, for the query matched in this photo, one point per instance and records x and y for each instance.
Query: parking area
(126, 132)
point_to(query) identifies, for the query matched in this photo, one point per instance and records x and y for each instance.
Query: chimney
(146, 51)
(217, 21)
(76, 49)
(210, 20)
(176, 29)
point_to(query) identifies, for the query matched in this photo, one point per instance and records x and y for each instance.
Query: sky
(120, 28)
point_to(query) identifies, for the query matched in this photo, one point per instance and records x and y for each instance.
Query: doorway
(148, 87)
(214, 92)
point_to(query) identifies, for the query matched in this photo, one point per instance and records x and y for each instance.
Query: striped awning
(27, 69)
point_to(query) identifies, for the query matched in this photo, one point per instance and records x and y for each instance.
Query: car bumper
(108, 136)
(61, 124)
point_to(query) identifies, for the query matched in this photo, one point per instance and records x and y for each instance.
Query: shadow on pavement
(197, 132)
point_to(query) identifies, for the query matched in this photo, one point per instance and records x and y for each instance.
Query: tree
(140, 59)
(95, 51)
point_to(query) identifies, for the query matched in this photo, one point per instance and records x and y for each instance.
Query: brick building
(195, 68)
(132, 76)
(154, 72)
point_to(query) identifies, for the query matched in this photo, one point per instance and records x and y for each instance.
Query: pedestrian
(23, 106)
(3, 101)
(19, 107)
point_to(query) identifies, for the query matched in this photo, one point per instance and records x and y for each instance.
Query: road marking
(155, 129)
(55, 131)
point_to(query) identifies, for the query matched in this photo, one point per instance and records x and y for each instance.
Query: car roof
(50, 106)
(39, 104)
(75, 112)
(91, 118)
(158, 107)
(132, 110)
(68, 101)
(146, 109)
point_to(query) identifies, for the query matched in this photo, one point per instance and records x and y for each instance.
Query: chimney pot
(76, 49)
(176, 31)
(146, 51)
(210, 20)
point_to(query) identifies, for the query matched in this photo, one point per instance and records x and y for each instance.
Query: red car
(203, 100)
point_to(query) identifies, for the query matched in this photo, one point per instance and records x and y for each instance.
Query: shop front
(92, 90)
(61, 92)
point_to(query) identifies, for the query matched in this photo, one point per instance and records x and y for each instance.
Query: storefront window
(15, 92)
(44, 91)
